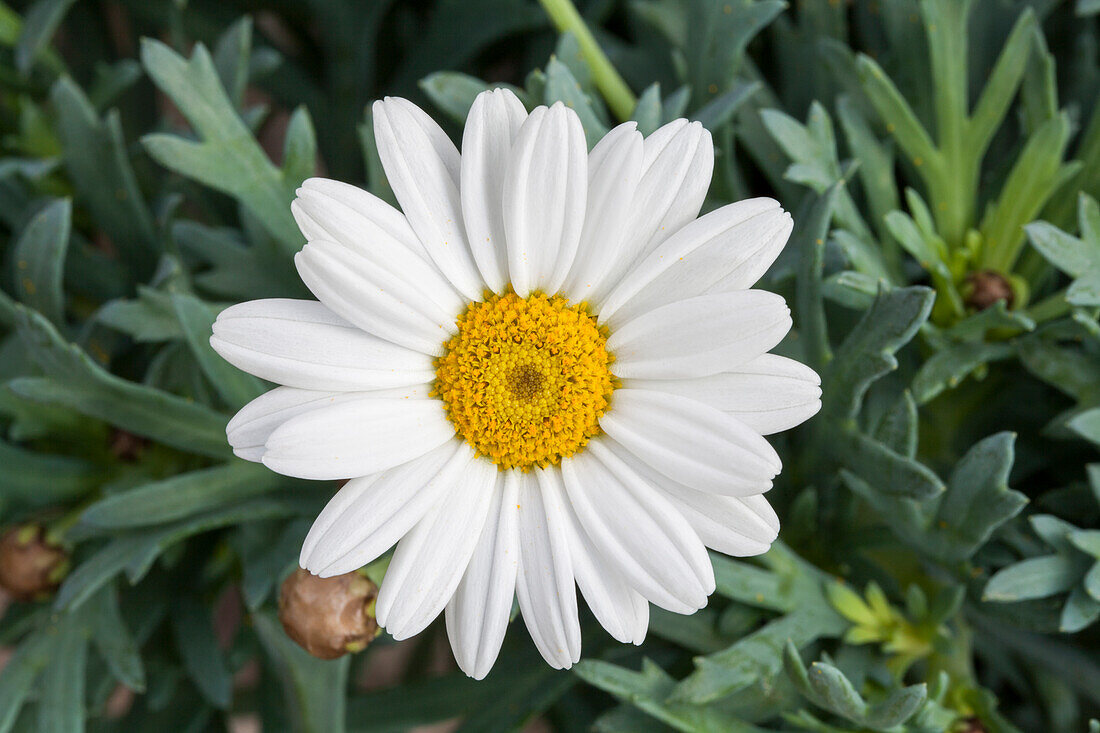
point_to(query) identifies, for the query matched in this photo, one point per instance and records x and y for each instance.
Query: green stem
(618, 95)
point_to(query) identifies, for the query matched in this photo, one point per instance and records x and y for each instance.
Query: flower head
(543, 373)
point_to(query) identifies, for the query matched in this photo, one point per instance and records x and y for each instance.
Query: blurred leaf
(789, 585)
(808, 239)
(649, 690)
(98, 163)
(77, 382)
(228, 158)
(193, 629)
(40, 260)
(647, 113)
(976, 501)
(136, 551)
(453, 92)
(1078, 258)
(236, 388)
(61, 687)
(114, 642)
(868, 352)
(562, 86)
(314, 688)
(42, 20)
(19, 674)
(182, 495)
(1036, 577)
(148, 318)
(40, 478)
(828, 688)
(946, 369)
(889, 472)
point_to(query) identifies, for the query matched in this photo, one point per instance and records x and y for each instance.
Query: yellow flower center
(525, 380)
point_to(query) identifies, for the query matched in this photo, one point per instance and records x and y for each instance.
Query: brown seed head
(126, 446)
(986, 287)
(328, 617)
(30, 566)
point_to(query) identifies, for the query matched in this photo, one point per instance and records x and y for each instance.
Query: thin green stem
(618, 95)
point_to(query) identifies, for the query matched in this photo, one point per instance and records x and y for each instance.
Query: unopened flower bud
(126, 446)
(986, 287)
(329, 617)
(30, 565)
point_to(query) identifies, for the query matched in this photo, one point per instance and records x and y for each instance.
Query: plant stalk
(614, 89)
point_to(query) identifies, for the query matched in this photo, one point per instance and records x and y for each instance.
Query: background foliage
(940, 559)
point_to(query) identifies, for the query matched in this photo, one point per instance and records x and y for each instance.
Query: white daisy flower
(543, 373)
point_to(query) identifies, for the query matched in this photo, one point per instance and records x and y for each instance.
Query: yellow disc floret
(525, 380)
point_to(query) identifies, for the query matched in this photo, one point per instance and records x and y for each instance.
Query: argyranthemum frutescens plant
(547, 373)
(911, 588)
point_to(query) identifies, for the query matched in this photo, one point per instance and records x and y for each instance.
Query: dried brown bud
(30, 565)
(972, 724)
(328, 617)
(986, 287)
(127, 446)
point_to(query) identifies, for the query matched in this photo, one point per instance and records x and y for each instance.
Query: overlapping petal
(491, 127)
(387, 305)
(699, 336)
(545, 586)
(736, 525)
(545, 189)
(430, 560)
(769, 394)
(423, 168)
(614, 169)
(637, 530)
(378, 225)
(357, 437)
(250, 428)
(676, 170)
(691, 442)
(477, 614)
(370, 514)
(727, 249)
(301, 343)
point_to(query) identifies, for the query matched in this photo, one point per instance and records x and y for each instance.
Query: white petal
(544, 585)
(422, 166)
(679, 160)
(727, 249)
(637, 530)
(699, 336)
(430, 560)
(379, 220)
(620, 609)
(491, 126)
(253, 424)
(691, 442)
(341, 224)
(368, 515)
(477, 615)
(736, 525)
(357, 437)
(376, 301)
(545, 187)
(614, 168)
(301, 343)
(771, 393)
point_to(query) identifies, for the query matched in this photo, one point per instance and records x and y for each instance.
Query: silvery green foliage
(939, 563)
